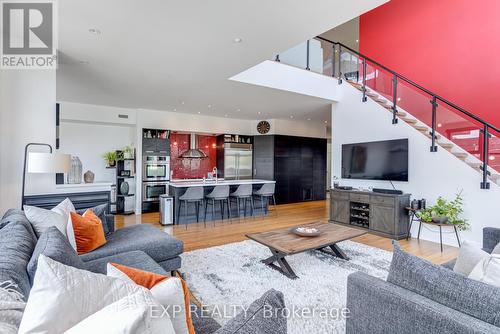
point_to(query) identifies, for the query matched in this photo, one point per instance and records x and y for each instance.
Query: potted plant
(128, 152)
(445, 211)
(110, 158)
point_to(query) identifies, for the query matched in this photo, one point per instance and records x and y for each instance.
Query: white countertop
(196, 183)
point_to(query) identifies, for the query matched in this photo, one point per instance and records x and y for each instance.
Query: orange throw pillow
(89, 233)
(162, 289)
(140, 277)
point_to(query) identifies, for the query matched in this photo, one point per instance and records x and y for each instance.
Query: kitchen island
(178, 187)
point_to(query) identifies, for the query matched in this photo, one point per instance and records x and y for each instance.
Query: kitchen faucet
(214, 171)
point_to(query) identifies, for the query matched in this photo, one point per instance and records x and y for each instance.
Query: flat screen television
(379, 160)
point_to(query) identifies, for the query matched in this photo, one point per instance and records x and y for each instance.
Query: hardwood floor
(196, 236)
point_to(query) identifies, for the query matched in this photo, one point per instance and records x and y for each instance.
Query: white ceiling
(166, 55)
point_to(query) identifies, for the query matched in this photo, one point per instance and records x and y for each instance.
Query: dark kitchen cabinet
(297, 164)
(156, 145)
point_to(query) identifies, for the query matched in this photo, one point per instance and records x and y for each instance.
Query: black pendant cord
(24, 165)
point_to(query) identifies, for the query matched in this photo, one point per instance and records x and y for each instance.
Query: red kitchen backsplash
(192, 168)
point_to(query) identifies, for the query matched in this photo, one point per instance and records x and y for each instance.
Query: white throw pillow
(469, 256)
(129, 315)
(171, 294)
(65, 208)
(42, 219)
(487, 270)
(62, 296)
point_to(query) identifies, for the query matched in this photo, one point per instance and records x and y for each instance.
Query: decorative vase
(75, 172)
(124, 188)
(88, 177)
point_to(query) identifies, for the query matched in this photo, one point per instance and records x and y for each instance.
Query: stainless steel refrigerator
(237, 161)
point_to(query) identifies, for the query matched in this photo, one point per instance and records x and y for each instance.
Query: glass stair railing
(465, 135)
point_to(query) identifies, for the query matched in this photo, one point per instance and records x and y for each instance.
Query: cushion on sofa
(53, 244)
(15, 216)
(444, 286)
(134, 259)
(99, 211)
(255, 320)
(469, 256)
(159, 245)
(17, 242)
(491, 238)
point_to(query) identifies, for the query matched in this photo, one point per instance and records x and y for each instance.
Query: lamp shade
(48, 163)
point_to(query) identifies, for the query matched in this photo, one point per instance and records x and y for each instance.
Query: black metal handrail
(486, 127)
(399, 76)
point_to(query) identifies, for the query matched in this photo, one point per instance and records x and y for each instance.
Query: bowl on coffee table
(305, 231)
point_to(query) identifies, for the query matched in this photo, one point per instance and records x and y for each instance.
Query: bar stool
(192, 195)
(221, 194)
(266, 192)
(243, 192)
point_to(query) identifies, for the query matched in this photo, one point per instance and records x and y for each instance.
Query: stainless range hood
(194, 152)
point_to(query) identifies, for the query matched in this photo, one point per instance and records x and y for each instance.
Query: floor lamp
(37, 162)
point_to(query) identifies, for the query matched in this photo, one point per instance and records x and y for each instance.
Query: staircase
(441, 141)
(449, 127)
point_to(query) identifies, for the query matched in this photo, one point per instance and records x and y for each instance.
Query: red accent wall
(448, 46)
(192, 168)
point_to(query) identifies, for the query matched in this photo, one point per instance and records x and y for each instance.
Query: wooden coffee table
(282, 242)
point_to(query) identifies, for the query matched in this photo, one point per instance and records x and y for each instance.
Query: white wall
(430, 174)
(89, 141)
(293, 79)
(27, 114)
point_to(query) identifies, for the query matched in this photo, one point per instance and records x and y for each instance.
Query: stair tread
(437, 135)
(421, 127)
(409, 120)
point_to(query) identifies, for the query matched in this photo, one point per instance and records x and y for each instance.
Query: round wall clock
(263, 127)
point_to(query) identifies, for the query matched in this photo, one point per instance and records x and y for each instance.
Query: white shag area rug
(232, 276)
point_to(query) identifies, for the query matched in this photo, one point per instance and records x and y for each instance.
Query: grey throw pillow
(444, 286)
(496, 250)
(257, 320)
(469, 256)
(54, 245)
(99, 211)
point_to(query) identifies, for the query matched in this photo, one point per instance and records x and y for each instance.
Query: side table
(413, 217)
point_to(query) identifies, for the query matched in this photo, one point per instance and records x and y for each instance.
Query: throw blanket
(11, 308)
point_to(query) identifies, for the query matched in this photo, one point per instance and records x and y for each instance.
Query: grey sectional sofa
(419, 297)
(139, 246)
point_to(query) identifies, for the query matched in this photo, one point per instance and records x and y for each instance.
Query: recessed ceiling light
(199, 112)
(175, 109)
(357, 41)
(238, 109)
(326, 122)
(182, 102)
(291, 116)
(94, 31)
(237, 40)
(259, 113)
(308, 119)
